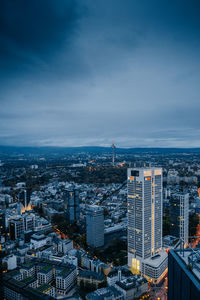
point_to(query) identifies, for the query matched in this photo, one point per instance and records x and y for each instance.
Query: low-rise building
(109, 293)
(90, 279)
(66, 279)
(132, 287)
(45, 275)
(47, 289)
(11, 261)
(118, 274)
(38, 240)
(28, 270)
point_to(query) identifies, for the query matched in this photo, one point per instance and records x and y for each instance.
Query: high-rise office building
(2, 223)
(179, 216)
(16, 228)
(72, 204)
(183, 274)
(145, 254)
(95, 226)
(24, 200)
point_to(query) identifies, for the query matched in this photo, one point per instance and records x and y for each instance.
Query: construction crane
(113, 153)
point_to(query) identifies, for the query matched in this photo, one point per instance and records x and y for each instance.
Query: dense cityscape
(99, 223)
(99, 150)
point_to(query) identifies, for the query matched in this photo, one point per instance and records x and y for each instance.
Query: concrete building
(66, 279)
(47, 289)
(90, 279)
(118, 274)
(64, 246)
(38, 240)
(28, 270)
(45, 275)
(95, 226)
(11, 261)
(16, 227)
(179, 216)
(145, 223)
(29, 221)
(108, 293)
(132, 287)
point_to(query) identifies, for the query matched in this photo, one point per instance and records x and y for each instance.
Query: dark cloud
(33, 32)
(78, 72)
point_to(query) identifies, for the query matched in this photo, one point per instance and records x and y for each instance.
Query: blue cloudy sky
(87, 72)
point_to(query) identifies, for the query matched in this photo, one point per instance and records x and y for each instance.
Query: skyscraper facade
(145, 253)
(179, 216)
(24, 200)
(95, 226)
(2, 224)
(72, 204)
(16, 228)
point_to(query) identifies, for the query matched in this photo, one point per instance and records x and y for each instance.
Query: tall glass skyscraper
(95, 226)
(179, 216)
(24, 200)
(72, 204)
(145, 221)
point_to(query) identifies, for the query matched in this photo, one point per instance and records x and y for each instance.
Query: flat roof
(186, 257)
(156, 260)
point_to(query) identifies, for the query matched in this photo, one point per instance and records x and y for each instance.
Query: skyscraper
(2, 224)
(95, 226)
(145, 253)
(179, 216)
(183, 274)
(24, 200)
(72, 204)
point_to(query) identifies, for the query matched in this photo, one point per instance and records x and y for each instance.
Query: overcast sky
(87, 72)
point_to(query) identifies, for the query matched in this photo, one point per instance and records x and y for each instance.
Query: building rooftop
(28, 265)
(94, 208)
(28, 280)
(46, 269)
(44, 287)
(103, 293)
(90, 274)
(38, 237)
(131, 282)
(156, 260)
(125, 272)
(191, 260)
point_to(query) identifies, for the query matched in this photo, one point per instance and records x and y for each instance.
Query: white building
(11, 261)
(145, 220)
(64, 246)
(38, 240)
(66, 279)
(45, 275)
(132, 287)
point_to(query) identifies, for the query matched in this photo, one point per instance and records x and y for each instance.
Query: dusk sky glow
(79, 73)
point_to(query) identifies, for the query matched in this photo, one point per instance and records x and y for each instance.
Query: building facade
(95, 226)
(184, 274)
(16, 228)
(179, 216)
(145, 221)
(72, 204)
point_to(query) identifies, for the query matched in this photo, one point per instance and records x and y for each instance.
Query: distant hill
(11, 150)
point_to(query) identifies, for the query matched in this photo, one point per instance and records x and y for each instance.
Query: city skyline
(79, 74)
